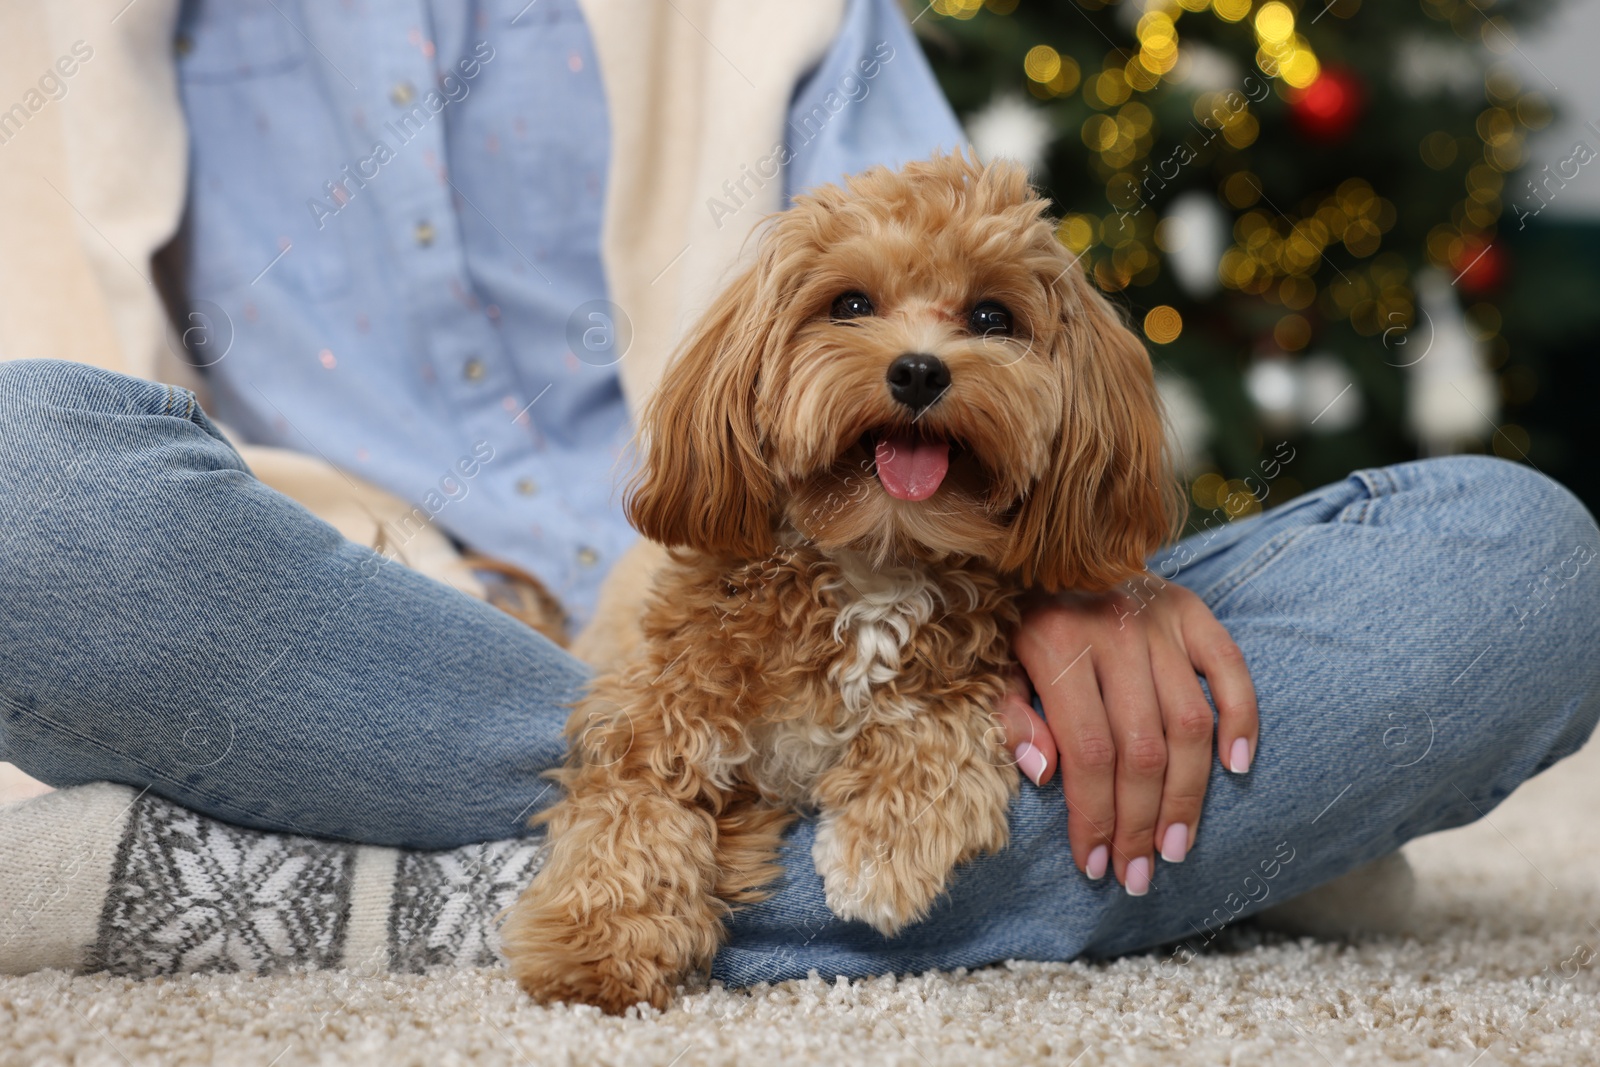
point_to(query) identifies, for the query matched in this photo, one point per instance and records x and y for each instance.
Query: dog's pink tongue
(910, 469)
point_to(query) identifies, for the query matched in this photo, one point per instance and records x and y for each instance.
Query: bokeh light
(1163, 324)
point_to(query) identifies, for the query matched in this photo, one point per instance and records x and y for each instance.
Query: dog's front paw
(613, 985)
(556, 958)
(865, 881)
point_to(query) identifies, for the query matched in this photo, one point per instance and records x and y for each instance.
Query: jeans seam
(173, 393)
(51, 724)
(1379, 481)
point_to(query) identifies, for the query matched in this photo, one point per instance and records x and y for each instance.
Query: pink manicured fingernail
(1096, 867)
(1175, 843)
(1031, 760)
(1138, 880)
(1239, 758)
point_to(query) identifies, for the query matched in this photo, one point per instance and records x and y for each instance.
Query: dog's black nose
(917, 380)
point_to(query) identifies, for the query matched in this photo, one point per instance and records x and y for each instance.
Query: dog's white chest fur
(880, 613)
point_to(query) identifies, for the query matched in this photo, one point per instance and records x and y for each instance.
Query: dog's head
(914, 367)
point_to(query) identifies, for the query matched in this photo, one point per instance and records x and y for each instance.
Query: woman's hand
(1124, 712)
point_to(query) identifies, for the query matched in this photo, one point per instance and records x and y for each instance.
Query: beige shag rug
(1497, 966)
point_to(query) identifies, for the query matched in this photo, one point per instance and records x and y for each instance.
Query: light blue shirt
(393, 235)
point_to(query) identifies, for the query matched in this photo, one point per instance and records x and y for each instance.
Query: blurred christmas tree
(1301, 206)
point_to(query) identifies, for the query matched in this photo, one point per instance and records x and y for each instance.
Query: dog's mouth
(910, 465)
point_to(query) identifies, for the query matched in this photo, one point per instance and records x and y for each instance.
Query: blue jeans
(1422, 638)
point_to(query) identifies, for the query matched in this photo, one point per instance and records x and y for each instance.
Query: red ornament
(1480, 266)
(1328, 108)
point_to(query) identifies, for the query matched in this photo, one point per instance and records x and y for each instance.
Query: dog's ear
(1109, 499)
(704, 483)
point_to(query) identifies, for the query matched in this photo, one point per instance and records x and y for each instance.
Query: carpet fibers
(1496, 966)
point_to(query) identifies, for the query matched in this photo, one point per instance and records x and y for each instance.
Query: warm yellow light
(1231, 10)
(1099, 133)
(1205, 489)
(1110, 88)
(1067, 78)
(1495, 126)
(1077, 232)
(1274, 22)
(1249, 225)
(1237, 269)
(1300, 68)
(1296, 292)
(1483, 177)
(1155, 64)
(1163, 324)
(1131, 260)
(1138, 117)
(1238, 501)
(1157, 33)
(1142, 73)
(1242, 189)
(1242, 131)
(1042, 63)
(1292, 333)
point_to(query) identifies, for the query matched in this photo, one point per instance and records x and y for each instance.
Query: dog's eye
(851, 306)
(989, 317)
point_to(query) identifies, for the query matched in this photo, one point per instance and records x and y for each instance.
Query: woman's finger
(1214, 654)
(1058, 662)
(1027, 737)
(1123, 669)
(1187, 721)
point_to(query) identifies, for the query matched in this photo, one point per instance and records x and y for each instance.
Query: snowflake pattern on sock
(190, 894)
(446, 903)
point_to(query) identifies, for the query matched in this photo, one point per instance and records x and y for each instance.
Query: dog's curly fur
(817, 642)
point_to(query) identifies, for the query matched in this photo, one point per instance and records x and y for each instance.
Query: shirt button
(472, 370)
(588, 556)
(423, 233)
(527, 486)
(402, 93)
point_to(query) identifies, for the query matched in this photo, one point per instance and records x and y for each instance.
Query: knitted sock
(105, 878)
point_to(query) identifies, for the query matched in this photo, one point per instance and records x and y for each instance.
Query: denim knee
(59, 412)
(66, 384)
(1499, 497)
(1539, 550)
(86, 447)
(49, 406)
(1544, 538)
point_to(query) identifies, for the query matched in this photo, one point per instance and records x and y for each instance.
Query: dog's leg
(624, 906)
(909, 801)
(626, 903)
(749, 834)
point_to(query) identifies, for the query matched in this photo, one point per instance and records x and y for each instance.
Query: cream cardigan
(92, 183)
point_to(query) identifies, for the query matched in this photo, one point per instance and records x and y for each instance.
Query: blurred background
(1353, 232)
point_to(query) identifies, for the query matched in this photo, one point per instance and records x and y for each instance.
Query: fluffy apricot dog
(912, 409)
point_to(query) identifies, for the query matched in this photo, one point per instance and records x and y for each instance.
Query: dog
(910, 411)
